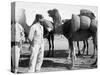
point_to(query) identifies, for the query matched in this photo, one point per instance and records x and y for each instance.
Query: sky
(65, 10)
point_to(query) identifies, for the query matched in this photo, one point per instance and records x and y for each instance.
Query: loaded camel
(67, 29)
(85, 43)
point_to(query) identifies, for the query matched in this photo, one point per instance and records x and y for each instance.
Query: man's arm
(31, 34)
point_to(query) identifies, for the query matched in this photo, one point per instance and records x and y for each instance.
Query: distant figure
(17, 38)
(36, 45)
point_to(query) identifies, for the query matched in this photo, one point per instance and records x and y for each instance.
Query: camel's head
(54, 14)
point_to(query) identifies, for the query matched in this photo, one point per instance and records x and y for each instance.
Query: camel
(65, 29)
(85, 44)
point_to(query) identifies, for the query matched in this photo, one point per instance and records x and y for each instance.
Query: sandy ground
(60, 61)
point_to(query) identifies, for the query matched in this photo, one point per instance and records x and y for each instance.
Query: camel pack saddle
(84, 21)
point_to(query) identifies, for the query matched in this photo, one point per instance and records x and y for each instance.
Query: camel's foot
(73, 63)
(79, 54)
(14, 71)
(92, 56)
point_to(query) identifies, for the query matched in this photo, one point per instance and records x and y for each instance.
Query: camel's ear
(55, 10)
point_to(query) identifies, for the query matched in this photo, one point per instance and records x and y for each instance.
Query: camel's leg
(72, 52)
(49, 46)
(70, 48)
(84, 46)
(79, 53)
(93, 51)
(87, 52)
(52, 38)
(95, 45)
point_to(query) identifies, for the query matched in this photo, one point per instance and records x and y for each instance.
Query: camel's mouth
(50, 13)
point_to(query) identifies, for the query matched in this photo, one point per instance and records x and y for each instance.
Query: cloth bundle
(83, 21)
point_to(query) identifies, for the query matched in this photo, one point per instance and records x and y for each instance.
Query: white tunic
(36, 34)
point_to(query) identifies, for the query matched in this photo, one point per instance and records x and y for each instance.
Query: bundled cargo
(88, 13)
(80, 22)
(84, 22)
(75, 22)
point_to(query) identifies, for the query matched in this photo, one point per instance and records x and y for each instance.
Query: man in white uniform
(37, 45)
(17, 37)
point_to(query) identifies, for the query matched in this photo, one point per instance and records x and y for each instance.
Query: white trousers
(36, 58)
(15, 55)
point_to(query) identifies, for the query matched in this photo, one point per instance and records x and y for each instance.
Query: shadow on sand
(50, 63)
(57, 53)
(47, 63)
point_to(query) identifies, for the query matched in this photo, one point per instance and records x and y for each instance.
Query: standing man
(36, 44)
(17, 37)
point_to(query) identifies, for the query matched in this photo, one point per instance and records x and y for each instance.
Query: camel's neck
(57, 22)
(58, 25)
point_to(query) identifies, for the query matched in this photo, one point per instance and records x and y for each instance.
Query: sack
(88, 13)
(93, 25)
(84, 22)
(75, 22)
